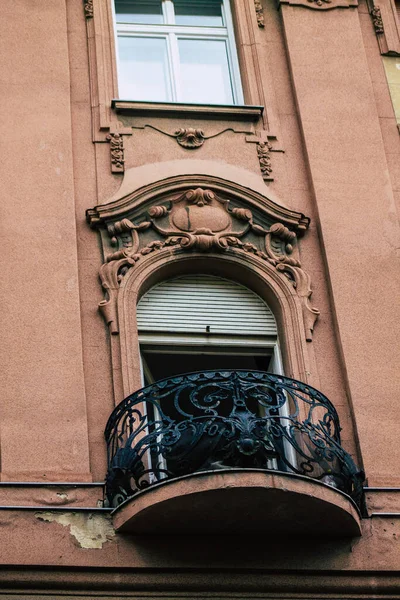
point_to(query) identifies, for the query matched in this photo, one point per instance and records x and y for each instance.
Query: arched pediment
(199, 215)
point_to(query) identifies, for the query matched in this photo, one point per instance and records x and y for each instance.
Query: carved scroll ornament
(377, 20)
(201, 220)
(264, 158)
(88, 8)
(259, 13)
(116, 152)
(190, 138)
(321, 4)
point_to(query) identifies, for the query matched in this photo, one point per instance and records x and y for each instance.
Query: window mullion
(169, 12)
(175, 66)
(232, 54)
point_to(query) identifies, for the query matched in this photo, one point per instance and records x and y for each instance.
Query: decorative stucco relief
(88, 8)
(192, 138)
(204, 221)
(263, 152)
(264, 149)
(259, 13)
(116, 152)
(377, 21)
(321, 4)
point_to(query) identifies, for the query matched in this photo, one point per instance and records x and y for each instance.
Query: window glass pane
(205, 77)
(143, 69)
(139, 11)
(199, 13)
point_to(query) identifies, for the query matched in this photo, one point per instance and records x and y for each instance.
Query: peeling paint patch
(90, 530)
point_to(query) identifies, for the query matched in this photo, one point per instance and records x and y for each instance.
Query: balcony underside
(240, 502)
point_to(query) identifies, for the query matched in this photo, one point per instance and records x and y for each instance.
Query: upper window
(177, 51)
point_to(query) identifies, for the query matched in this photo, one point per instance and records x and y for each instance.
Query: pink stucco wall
(331, 123)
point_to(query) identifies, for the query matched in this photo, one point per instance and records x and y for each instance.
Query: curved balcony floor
(240, 502)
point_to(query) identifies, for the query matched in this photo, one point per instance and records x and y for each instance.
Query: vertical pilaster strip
(357, 216)
(43, 408)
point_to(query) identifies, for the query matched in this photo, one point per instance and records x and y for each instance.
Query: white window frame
(172, 32)
(231, 345)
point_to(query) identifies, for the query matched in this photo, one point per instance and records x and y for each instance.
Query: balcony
(231, 452)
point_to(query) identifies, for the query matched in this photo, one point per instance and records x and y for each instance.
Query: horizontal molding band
(382, 489)
(385, 515)
(176, 109)
(173, 583)
(57, 507)
(101, 484)
(51, 483)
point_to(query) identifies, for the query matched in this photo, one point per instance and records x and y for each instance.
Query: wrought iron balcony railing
(226, 419)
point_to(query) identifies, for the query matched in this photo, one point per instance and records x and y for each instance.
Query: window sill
(172, 109)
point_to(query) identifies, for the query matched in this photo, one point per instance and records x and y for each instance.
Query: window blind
(204, 304)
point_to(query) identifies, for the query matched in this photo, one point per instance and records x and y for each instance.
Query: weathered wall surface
(336, 159)
(43, 411)
(357, 214)
(74, 539)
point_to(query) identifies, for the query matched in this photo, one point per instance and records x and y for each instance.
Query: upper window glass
(177, 51)
(188, 12)
(136, 11)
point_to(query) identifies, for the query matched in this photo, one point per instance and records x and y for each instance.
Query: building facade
(209, 193)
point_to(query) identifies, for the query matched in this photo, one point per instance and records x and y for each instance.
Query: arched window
(232, 234)
(191, 275)
(202, 322)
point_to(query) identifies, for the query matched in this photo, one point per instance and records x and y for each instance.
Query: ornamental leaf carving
(377, 20)
(116, 152)
(88, 8)
(302, 282)
(320, 2)
(200, 219)
(264, 157)
(190, 138)
(322, 5)
(259, 13)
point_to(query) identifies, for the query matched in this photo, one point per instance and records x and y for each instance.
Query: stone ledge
(240, 502)
(174, 109)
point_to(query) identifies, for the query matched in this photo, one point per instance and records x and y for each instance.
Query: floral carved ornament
(200, 220)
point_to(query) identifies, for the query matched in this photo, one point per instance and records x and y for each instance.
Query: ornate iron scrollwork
(225, 419)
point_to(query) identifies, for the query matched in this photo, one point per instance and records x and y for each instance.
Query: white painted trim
(172, 32)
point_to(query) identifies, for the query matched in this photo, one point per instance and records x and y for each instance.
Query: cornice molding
(176, 109)
(136, 201)
(265, 582)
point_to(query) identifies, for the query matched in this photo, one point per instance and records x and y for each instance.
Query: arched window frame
(207, 321)
(134, 264)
